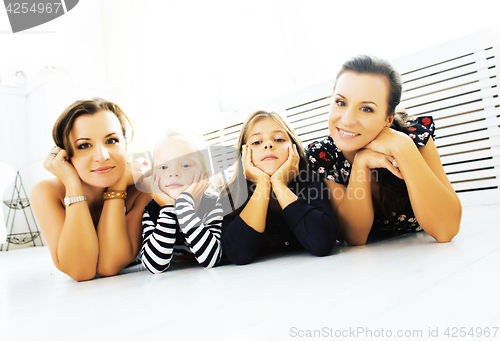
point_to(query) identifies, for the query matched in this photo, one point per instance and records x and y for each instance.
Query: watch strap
(71, 200)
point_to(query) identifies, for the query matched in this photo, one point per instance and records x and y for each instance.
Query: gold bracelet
(115, 195)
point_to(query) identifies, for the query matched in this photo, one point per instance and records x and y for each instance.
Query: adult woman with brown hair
(90, 213)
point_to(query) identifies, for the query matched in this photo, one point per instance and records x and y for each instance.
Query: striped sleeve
(202, 236)
(158, 239)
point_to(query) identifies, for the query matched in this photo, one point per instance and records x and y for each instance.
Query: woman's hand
(198, 186)
(141, 171)
(387, 140)
(161, 198)
(372, 160)
(126, 180)
(58, 163)
(289, 169)
(251, 172)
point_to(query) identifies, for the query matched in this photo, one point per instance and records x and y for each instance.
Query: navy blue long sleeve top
(306, 223)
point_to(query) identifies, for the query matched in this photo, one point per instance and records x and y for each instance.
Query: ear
(389, 120)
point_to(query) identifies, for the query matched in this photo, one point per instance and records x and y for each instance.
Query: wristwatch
(71, 200)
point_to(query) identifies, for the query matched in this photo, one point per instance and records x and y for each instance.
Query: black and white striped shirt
(177, 230)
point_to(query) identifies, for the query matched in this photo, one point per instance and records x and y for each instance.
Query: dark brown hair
(64, 124)
(393, 191)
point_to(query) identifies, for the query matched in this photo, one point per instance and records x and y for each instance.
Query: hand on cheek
(161, 198)
(198, 186)
(251, 172)
(289, 169)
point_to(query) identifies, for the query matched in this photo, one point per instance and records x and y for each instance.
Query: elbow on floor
(356, 240)
(239, 260)
(107, 271)
(324, 248)
(81, 276)
(444, 233)
(445, 237)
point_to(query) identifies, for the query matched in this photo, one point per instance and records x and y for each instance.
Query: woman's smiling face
(100, 150)
(358, 112)
(269, 143)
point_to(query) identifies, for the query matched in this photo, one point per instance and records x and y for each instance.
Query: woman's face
(269, 144)
(358, 112)
(100, 149)
(176, 164)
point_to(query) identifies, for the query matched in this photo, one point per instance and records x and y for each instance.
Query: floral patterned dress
(327, 161)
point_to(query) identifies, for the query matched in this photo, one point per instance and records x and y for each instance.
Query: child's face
(175, 164)
(269, 144)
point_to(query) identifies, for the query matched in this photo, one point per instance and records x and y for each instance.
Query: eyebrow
(88, 139)
(274, 131)
(361, 102)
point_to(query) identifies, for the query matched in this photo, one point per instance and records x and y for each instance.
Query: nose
(101, 154)
(269, 145)
(173, 172)
(348, 117)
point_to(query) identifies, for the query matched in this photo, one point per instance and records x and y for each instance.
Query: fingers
(246, 156)
(392, 166)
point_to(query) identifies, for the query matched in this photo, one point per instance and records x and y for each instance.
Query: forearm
(355, 212)
(78, 246)
(283, 194)
(115, 244)
(436, 205)
(159, 240)
(255, 212)
(202, 237)
(240, 242)
(313, 224)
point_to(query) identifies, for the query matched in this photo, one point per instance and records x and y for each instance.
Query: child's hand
(198, 186)
(289, 169)
(251, 172)
(161, 198)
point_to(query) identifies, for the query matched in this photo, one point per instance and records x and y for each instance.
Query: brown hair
(64, 124)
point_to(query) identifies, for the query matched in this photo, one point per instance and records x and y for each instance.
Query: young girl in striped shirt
(182, 220)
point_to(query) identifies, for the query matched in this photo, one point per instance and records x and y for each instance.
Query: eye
(163, 167)
(185, 165)
(256, 143)
(112, 140)
(366, 109)
(84, 146)
(340, 103)
(280, 140)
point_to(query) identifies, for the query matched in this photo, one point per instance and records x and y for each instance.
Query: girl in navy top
(277, 205)
(383, 171)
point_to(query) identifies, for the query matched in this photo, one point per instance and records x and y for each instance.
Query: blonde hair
(190, 138)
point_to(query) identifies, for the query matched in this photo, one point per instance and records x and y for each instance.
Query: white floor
(409, 286)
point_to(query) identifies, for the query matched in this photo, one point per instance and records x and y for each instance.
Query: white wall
(176, 62)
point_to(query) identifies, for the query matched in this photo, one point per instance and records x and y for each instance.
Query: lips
(269, 158)
(102, 170)
(346, 133)
(174, 185)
